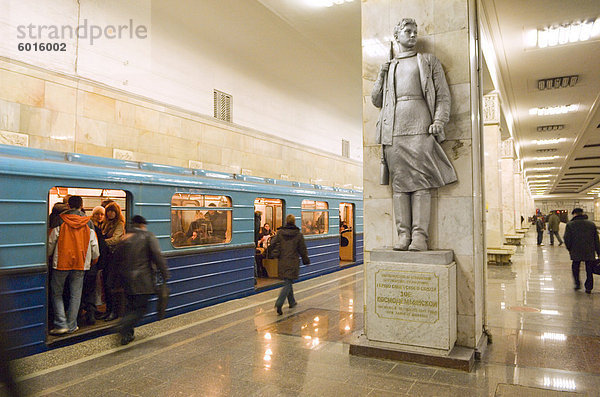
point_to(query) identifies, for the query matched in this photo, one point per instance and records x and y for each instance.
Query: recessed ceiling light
(546, 158)
(548, 141)
(563, 34)
(552, 110)
(327, 3)
(542, 169)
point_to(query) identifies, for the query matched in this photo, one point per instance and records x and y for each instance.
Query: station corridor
(545, 335)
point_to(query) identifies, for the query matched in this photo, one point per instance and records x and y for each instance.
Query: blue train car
(208, 263)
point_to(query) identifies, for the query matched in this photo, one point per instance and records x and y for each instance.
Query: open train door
(346, 233)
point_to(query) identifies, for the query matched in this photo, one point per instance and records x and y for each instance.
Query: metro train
(208, 265)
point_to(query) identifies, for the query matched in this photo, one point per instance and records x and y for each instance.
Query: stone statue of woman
(414, 98)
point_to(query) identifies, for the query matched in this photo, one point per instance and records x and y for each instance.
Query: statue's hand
(385, 67)
(437, 130)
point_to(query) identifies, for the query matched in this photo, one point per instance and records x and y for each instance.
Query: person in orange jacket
(73, 246)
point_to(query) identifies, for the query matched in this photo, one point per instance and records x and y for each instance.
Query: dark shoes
(559, 244)
(293, 305)
(588, 291)
(279, 311)
(127, 339)
(577, 287)
(111, 316)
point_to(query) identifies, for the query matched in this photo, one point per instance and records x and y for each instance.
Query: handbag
(162, 293)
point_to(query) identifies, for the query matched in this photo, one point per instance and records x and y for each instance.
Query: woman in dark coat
(581, 239)
(288, 246)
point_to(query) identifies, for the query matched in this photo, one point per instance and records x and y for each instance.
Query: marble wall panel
(191, 130)
(146, 119)
(465, 284)
(153, 143)
(449, 15)
(10, 116)
(61, 126)
(21, 88)
(378, 224)
(169, 125)
(209, 154)
(92, 149)
(46, 143)
(90, 131)
(420, 10)
(122, 137)
(465, 334)
(97, 107)
(60, 97)
(452, 49)
(455, 224)
(125, 113)
(34, 120)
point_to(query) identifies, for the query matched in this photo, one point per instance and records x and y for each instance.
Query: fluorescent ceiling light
(551, 36)
(548, 141)
(551, 110)
(546, 158)
(539, 176)
(326, 3)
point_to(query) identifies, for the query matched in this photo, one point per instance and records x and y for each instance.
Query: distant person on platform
(414, 98)
(137, 254)
(73, 246)
(553, 226)
(581, 239)
(288, 246)
(540, 226)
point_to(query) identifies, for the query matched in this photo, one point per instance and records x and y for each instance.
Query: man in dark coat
(136, 254)
(553, 227)
(288, 245)
(540, 226)
(581, 239)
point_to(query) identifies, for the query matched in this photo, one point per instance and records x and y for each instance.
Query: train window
(315, 217)
(195, 219)
(91, 198)
(271, 212)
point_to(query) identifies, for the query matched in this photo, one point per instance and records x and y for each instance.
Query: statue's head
(405, 33)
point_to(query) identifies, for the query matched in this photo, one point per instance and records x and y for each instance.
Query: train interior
(91, 198)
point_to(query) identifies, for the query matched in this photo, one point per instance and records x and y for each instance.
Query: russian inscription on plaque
(407, 296)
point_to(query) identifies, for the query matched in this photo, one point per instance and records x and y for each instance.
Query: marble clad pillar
(493, 183)
(446, 29)
(517, 178)
(508, 185)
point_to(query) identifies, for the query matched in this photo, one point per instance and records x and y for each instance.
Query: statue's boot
(402, 216)
(421, 213)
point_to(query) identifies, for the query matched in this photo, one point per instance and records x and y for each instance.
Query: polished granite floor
(546, 342)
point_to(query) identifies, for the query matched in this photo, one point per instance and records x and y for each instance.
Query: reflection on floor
(545, 338)
(315, 325)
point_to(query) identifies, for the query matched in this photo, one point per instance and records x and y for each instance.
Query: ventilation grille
(546, 150)
(222, 105)
(557, 82)
(545, 163)
(592, 145)
(345, 148)
(584, 166)
(577, 179)
(554, 127)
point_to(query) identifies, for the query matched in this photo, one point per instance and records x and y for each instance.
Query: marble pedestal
(411, 300)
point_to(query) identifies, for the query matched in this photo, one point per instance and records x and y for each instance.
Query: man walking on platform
(553, 226)
(73, 246)
(135, 255)
(581, 239)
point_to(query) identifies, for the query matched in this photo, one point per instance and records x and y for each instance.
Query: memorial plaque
(407, 296)
(412, 304)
